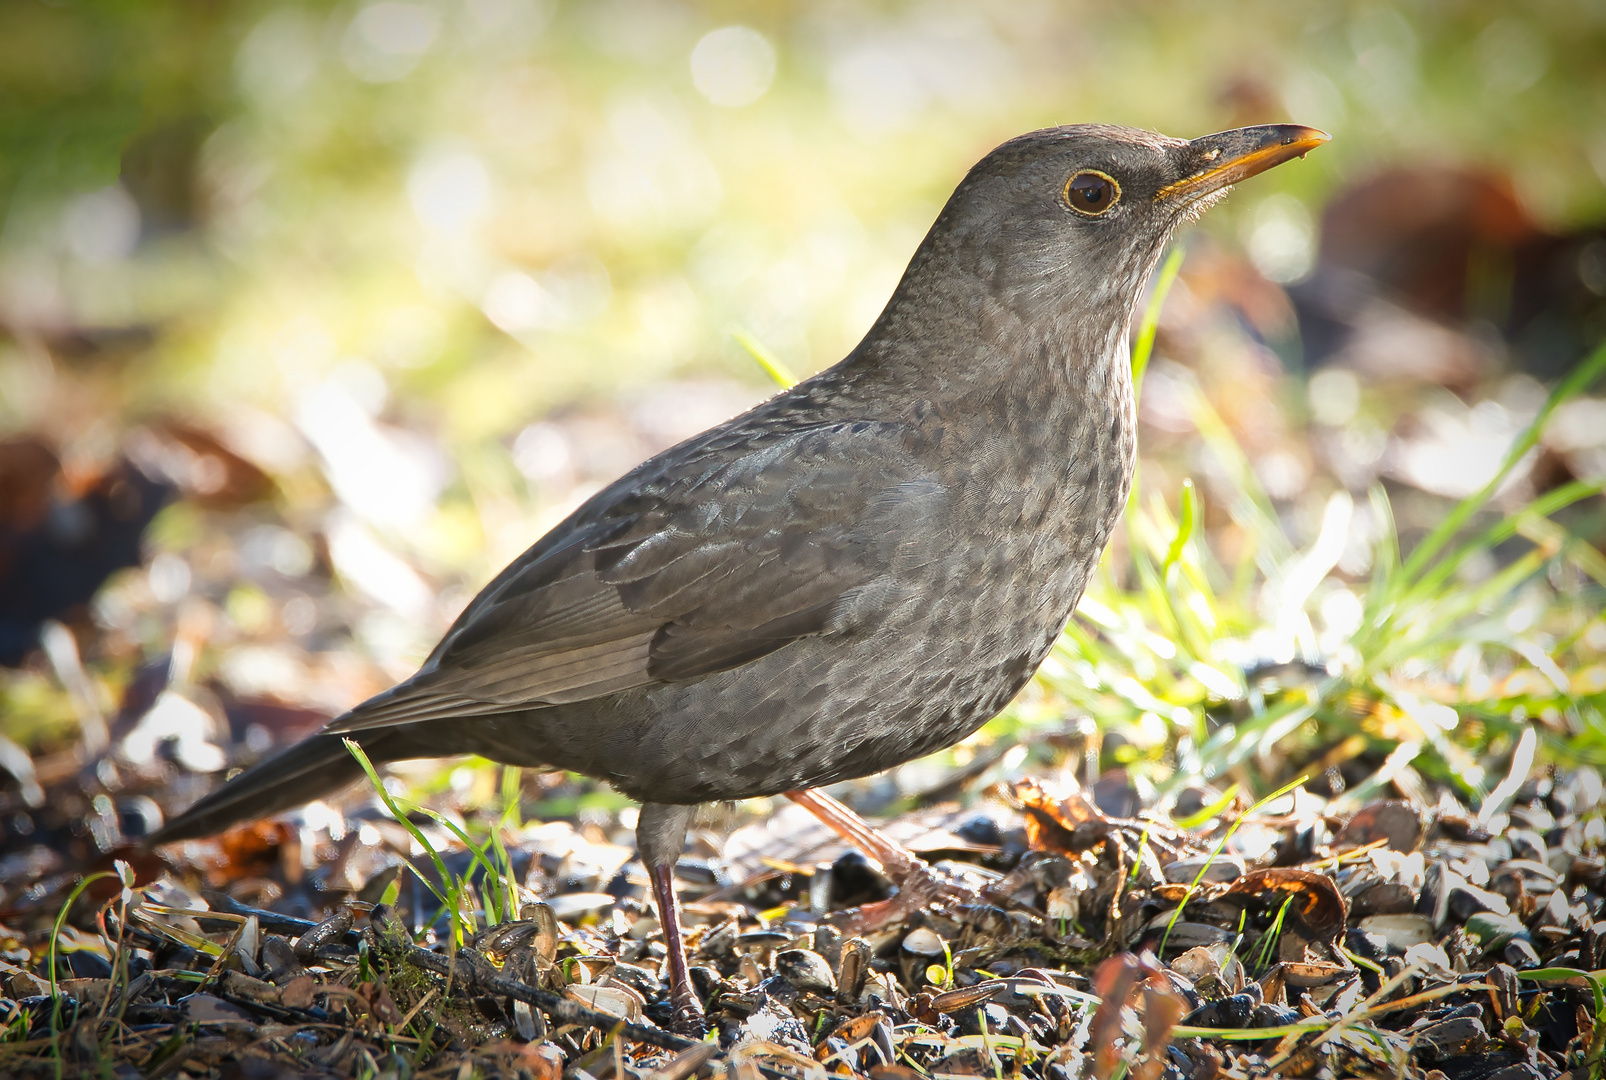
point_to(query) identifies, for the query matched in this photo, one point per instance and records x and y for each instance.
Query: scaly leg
(682, 996)
(660, 838)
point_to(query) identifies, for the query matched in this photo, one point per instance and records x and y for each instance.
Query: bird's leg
(682, 996)
(660, 837)
(919, 885)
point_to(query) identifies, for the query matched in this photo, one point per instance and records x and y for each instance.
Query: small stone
(1188, 935)
(1385, 898)
(1438, 882)
(923, 941)
(1431, 957)
(777, 991)
(1492, 931)
(855, 967)
(762, 939)
(1516, 1072)
(1467, 900)
(1269, 1015)
(1555, 911)
(1396, 823)
(1223, 868)
(1538, 876)
(749, 970)
(527, 1022)
(893, 1072)
(1400, 932)
(279, 961)
(298, 992)
(1196, 965)
(1527, 844)
(828, 943)
(1234, 1011)
(202, 1008)
(1368, 946)
(21, 983)
(775, 1025)
(1520, 954)
(806, 970)
(1448, 1038)
(614, 1000)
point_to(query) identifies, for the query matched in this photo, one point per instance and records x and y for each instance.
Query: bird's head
(1076, 217)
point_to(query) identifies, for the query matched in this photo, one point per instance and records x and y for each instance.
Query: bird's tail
(297, 774)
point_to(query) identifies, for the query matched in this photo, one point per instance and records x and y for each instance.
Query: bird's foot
(931, 890)
(688, 1020)
(927, 886)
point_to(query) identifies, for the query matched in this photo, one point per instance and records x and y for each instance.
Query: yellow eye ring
(1091, 193)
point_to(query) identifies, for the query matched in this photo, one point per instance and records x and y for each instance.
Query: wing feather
(676, 572)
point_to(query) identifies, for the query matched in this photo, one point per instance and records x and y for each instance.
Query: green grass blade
(1219, 847)
(449, 898)
(1577, 381)
(1385, 565)
(1187, 519)
(55, 936)
(479, 853)
(1251, 507)
(1507, 527)
(1193, 821)
(1149, 325)
(767, 360)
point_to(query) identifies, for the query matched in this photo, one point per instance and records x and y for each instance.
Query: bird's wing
(707, 561)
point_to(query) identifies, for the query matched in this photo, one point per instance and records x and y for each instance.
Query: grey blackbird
(859, 571)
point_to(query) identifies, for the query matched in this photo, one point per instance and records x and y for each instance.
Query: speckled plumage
(859, 571)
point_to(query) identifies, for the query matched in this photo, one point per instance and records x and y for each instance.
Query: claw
(689, 1020)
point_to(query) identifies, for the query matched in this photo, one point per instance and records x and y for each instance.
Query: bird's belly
(840, 706)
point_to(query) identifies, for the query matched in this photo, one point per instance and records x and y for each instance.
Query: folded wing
(694, 564)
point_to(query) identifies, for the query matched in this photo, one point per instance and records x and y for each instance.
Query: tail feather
(297, 774)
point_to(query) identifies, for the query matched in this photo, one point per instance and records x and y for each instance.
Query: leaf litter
(1279, 938)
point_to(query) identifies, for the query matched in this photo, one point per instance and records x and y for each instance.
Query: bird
(859, 571)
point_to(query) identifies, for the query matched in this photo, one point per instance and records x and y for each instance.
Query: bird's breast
(1042, 481)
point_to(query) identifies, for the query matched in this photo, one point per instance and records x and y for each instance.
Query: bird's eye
(1092, 193)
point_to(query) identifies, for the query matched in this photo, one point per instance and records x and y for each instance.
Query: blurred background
(313, 315)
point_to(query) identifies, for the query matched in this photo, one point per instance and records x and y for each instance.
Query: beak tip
(1305, 138)
(1309, 139)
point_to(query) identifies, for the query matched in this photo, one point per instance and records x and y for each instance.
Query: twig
(561, 1008)
(1374, 1006)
